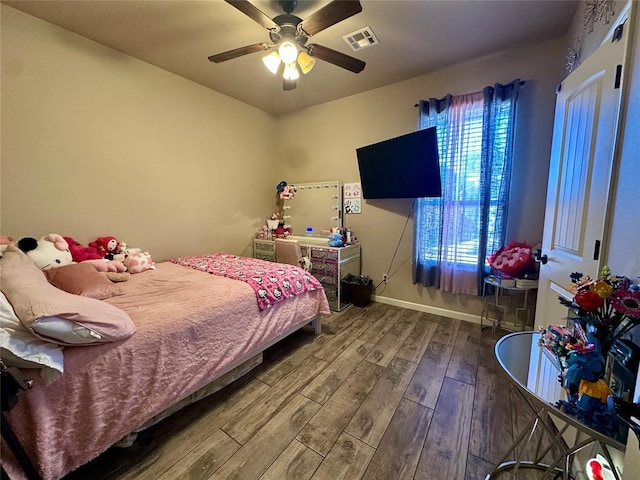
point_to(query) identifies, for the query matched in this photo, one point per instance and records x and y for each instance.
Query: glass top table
(534, 372)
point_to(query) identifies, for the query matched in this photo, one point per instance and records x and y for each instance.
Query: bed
(192, 328)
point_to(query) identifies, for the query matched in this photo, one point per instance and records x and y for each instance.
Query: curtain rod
(522, 82)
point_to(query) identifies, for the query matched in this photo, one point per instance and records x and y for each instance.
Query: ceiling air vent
(360, 39)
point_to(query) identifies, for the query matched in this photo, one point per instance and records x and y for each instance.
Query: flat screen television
(407, 166)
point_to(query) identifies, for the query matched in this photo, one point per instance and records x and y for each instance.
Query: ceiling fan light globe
(272, 62)
(306, 62)
(288, 51)
(290, 72)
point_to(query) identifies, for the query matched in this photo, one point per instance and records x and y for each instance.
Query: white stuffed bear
(52, 251)
(123, 251)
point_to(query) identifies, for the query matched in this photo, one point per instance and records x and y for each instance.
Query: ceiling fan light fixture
(306, 62)
(288, 51)
(288, 35)
(272, 62)
(290, 72)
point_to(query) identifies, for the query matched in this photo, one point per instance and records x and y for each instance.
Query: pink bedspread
(192, 327)
(272, 282)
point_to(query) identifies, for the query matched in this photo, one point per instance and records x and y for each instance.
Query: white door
(584, 138)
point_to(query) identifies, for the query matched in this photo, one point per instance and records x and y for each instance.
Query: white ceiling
(416, 37)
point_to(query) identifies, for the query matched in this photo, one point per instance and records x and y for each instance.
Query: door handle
(539, 257)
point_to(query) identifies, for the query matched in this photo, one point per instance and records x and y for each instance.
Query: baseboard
(428, 309)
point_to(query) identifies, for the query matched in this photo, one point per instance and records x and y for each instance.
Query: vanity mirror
(316, 208)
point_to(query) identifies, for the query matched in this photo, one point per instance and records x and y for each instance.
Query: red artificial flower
(588, 300)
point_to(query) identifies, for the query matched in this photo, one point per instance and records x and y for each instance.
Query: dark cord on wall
(399, 241)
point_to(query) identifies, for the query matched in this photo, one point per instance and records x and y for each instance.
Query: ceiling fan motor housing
(288, 30)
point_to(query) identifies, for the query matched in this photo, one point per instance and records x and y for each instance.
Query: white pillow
(68, 332)
(20, 348)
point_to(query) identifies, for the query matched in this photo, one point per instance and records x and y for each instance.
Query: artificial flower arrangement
(605, 309)
(610, 304)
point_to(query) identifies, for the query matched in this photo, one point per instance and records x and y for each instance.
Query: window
(454, 233)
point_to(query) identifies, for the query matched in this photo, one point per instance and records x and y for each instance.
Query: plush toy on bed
(80, 253)
(139, 262)
(5, 241)
(52, 251)
(106, 246)
(124, 250)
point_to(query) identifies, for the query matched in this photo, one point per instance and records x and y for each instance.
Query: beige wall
(97, 143)
(321, 141)
(579, 37)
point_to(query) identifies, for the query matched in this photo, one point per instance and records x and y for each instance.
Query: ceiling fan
(289, 34)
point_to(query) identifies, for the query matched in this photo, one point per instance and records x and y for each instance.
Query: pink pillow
(82, 279)
(37, 303)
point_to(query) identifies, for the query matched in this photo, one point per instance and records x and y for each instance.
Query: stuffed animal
(52, 251)
(139, 262)
(285, 192)
(104, 265)
(514, 259)
(106, 246)
(4, 243)
(124, 250)
(80, 253)
(335, 240)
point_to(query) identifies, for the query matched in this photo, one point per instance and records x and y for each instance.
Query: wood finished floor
(383, 393)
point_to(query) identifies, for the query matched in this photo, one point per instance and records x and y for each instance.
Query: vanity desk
(316, 208)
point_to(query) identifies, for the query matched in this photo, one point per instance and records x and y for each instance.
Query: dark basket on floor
(359, 288)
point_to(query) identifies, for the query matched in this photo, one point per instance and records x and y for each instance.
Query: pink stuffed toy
(81, 253)
(139, 262)
(104, 265)
(4, 243)
(514, 259)
(4, 240)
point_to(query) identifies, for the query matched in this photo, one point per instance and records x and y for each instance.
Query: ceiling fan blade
(337, 58)
(252, 12)
(289, 84)
(238, 52)
(330, 14)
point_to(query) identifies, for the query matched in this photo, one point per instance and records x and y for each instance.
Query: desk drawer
(328, 254)
(264, 247)
(325, 269)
